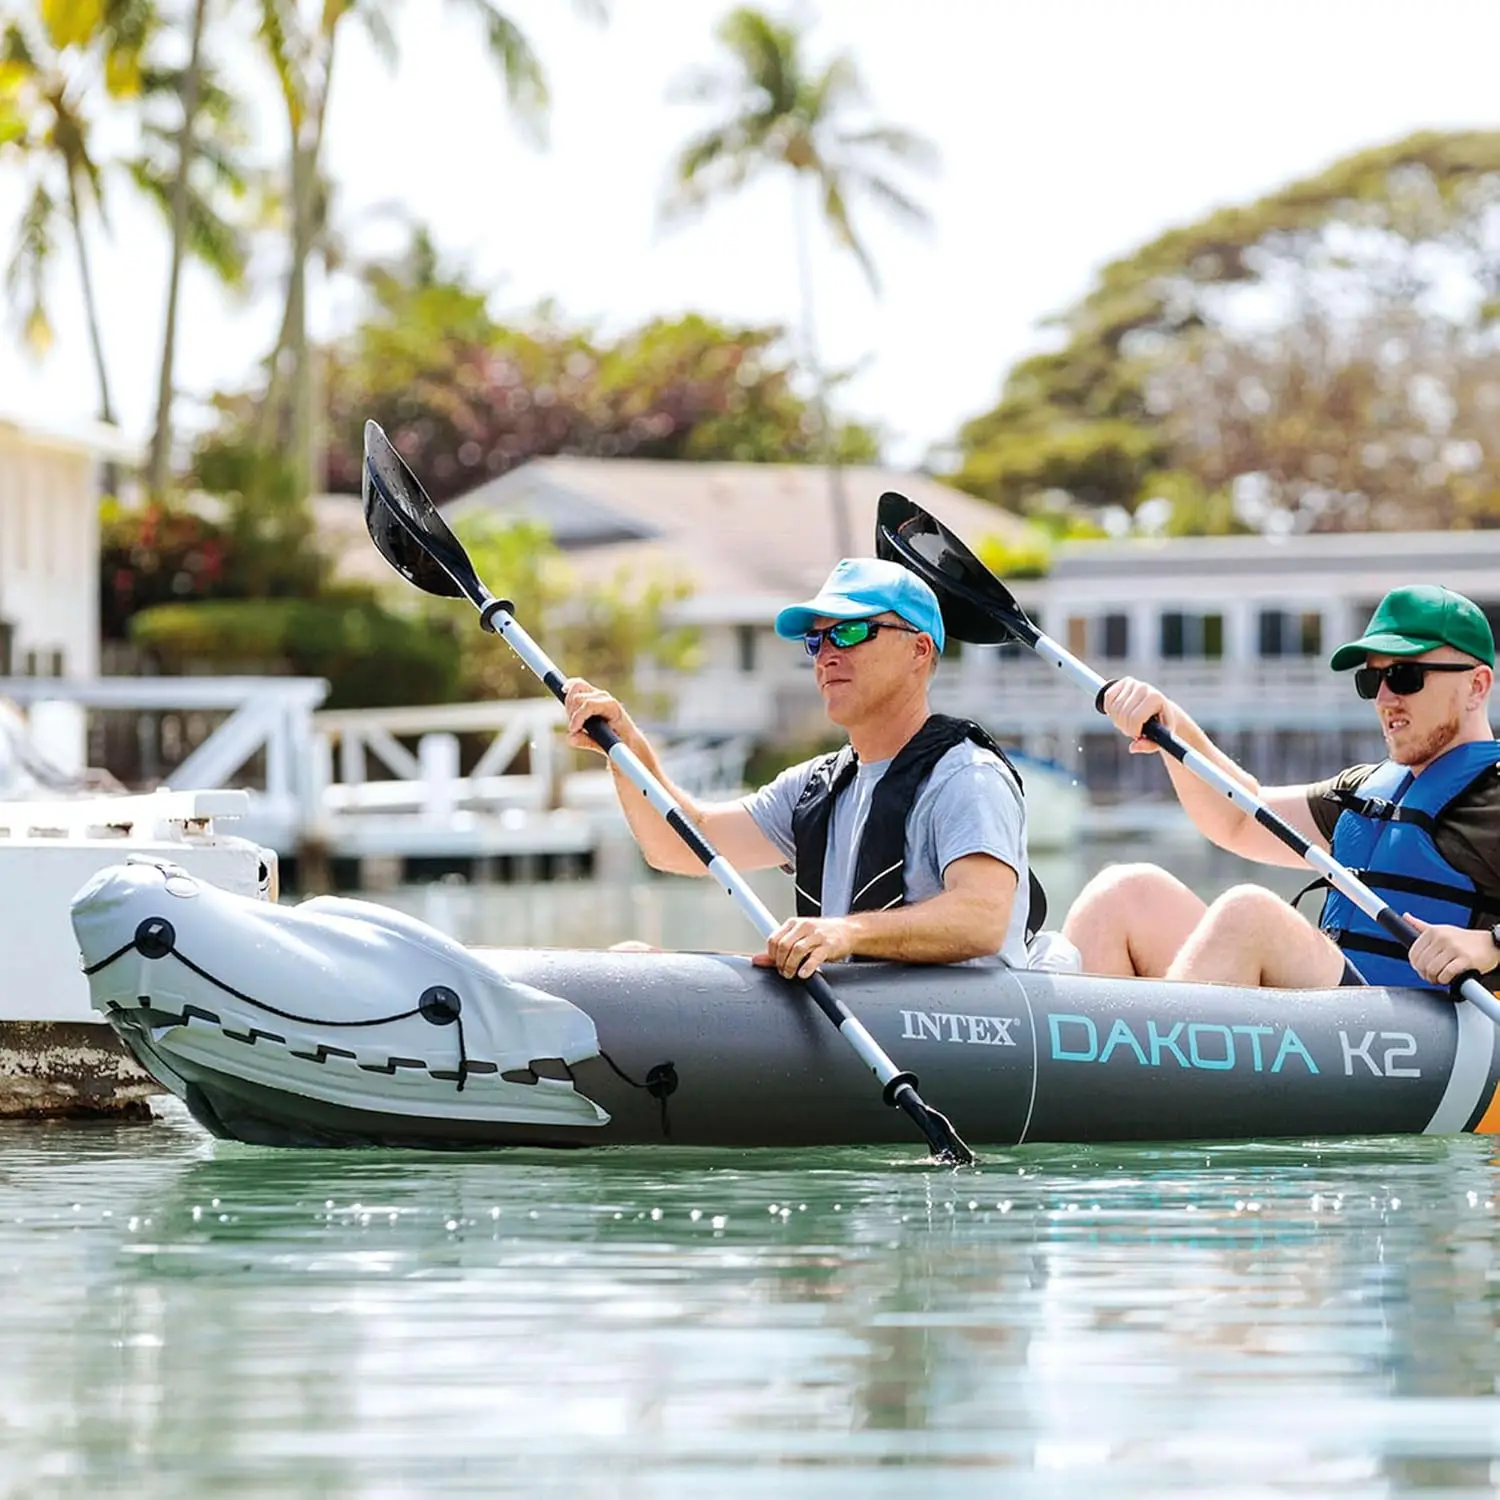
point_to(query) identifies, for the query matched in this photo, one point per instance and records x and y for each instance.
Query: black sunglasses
(850, 633)
(1403, 677)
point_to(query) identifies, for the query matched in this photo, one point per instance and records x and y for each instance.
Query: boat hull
(274, 1033)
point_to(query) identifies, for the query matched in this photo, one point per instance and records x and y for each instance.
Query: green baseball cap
(1409, 621)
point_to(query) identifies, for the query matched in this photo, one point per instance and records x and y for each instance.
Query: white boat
(55, 1056)
(1055, 802)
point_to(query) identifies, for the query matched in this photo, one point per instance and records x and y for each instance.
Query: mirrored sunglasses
(850, 633)
(1403, 677)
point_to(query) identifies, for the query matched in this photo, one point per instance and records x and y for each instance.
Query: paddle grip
(1153, 729)
(601, 734)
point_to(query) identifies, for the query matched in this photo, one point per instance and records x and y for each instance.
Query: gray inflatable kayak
(342, 1023)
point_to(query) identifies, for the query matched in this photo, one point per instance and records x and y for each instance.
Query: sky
(1070, 132)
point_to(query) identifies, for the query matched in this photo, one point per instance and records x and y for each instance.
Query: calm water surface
(185, 1317)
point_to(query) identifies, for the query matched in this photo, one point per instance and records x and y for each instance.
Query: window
(1115, 633)
(1284, 633)
(744, 641)
(1186, 635)
(7, 648)
(1099, 635)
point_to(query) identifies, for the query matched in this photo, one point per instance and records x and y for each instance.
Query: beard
(1418, 752)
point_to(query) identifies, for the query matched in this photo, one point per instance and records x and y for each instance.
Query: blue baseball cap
(860, 587)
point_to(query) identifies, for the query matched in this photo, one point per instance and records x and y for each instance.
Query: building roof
(1341, 552)
(92, 439)
(749, 537)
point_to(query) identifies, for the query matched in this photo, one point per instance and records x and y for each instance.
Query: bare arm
(968, 918)
(726, 825)
(1130, 703)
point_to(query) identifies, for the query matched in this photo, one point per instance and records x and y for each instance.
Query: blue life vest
(1385, 836)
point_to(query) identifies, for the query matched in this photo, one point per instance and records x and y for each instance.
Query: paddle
(405, 525)
(978, 607)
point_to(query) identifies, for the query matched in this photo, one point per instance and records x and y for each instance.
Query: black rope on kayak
(155, 938)
(661, 1082)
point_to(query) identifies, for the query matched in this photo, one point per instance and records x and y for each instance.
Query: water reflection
(635, 1322)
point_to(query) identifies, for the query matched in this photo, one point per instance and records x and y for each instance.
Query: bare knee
(1131, 919)
(1129, 887)
(1247, 909)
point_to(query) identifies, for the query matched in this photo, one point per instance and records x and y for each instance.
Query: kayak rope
(155, 938)
(661, 1081)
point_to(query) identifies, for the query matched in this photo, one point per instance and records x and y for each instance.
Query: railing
(265, 720)
(468, 779)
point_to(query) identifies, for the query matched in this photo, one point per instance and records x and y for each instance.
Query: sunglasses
(850, 633)
(1403, 677)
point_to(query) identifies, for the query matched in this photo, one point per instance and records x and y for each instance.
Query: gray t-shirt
(970, 804)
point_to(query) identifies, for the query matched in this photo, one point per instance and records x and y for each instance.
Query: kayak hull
(339, 1023)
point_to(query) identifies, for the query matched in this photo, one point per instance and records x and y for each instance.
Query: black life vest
(878, 884)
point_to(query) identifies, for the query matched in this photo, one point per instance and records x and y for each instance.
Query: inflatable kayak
(343, 1023)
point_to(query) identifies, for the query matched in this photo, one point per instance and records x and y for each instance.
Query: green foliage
(1320, 358)
(1026, 556)
(268, 525)
(465, 398)
(602, 632)
(156, 554)
(372, 658)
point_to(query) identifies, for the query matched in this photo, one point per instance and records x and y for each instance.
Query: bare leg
(1251, 936)
(1132, 919)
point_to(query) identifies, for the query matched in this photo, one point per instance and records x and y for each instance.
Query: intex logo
(946, 1026)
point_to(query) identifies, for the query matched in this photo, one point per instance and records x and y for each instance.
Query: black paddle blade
(976, 606)
(405, 525)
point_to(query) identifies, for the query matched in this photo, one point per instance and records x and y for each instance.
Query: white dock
(387, 784)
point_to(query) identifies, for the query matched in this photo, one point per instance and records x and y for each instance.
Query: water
(185, 1318)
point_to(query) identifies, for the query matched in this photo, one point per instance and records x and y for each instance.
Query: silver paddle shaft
(497, 618)
(1342, 879)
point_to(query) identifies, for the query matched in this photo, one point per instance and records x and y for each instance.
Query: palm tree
(303, 57)
(189, 215)
(49, 70)
(780, 112)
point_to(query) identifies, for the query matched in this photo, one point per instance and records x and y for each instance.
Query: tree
(1324, 357)
(47, 65)
(466, 398)
(303, 56)
(188, 176)
(779, 111)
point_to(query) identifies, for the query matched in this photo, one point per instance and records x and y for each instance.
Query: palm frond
(525, 82)
(836, 216)
(15, 48)
(382, 38)
(26, 273)
(767, 53)
(713, 163)
(71, 23)
(895, 142)
(893, 199)
(837, 88)
(279, 30)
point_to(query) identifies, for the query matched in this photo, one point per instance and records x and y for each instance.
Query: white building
(49, 546)
(1237, 629)
(747, 539)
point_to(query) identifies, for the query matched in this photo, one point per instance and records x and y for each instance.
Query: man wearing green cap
(910, 842)
(1422, 828)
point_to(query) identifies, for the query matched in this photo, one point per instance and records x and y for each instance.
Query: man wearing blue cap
(908, 844)
(1422, 829)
